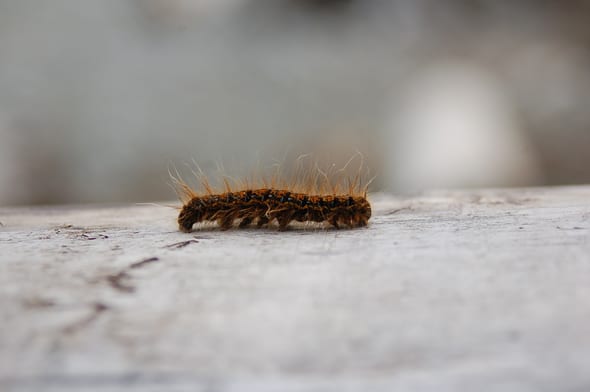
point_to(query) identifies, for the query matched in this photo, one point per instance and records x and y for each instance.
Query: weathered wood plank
(482, 290)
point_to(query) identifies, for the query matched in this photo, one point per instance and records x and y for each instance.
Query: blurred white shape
(456, 128)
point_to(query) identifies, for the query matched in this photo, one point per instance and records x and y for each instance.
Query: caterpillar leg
(334, 222)
(348, 222)
(359, 221)
(284, 220)
(263, 220)
(245, 222)
(226, 222)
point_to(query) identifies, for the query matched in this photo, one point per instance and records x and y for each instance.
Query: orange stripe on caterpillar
(263, 206)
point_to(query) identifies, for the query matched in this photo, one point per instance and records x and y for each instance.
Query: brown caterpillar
(264, 205)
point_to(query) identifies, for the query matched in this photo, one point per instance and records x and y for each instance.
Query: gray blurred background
(99, 98)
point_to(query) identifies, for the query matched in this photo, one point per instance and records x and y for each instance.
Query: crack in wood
(396, 210)
(80, 233)
(117, 281)
(181, 244)
(143, 262)
(98, 308)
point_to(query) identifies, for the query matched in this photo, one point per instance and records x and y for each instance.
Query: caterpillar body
(263, 206)
(306, 194)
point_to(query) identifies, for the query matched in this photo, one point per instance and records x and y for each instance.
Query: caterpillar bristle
(308, 196)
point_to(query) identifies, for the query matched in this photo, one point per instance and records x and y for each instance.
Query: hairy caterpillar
(306, 200)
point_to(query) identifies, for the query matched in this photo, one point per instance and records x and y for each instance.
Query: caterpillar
(262, 206)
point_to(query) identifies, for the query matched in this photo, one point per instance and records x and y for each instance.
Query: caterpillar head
(190, 214)
(362, 211)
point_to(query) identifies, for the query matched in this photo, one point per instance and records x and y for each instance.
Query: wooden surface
(483, 290)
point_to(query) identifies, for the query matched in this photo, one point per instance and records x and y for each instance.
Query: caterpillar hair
(310, 195)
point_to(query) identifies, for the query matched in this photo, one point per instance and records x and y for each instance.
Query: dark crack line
(143, 262)
(98, 308)
(396, 210)
(181, 244)
(118, 281)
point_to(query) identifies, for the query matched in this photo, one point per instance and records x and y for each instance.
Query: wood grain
(484, 290)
